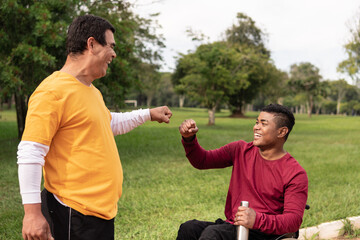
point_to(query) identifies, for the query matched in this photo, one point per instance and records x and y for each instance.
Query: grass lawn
(161, 189)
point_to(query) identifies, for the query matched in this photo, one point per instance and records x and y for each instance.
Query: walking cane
(243, 232)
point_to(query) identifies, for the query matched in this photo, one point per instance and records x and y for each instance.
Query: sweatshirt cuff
(146, 114)
(31, 198)
(189, 142)
(257, 221)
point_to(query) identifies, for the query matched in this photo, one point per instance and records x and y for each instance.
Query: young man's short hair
(84, 27)
(283, 116)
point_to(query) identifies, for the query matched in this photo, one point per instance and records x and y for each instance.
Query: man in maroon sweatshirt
(264, 174)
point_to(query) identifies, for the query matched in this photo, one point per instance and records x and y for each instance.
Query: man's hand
(188, 128)
(245, 216)
(35, 225)
(161, 114)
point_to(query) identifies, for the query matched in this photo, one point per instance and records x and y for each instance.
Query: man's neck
(76, 66)
(273, 153)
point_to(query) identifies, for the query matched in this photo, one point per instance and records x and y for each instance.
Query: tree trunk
(211, 112)
(238, 111)
(181, 100)
(302, 109)
(21, 111)
(149, 100)
(338, 106)
(11, 100)
(310, 107)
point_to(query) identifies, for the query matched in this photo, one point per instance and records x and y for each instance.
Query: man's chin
(256, 143)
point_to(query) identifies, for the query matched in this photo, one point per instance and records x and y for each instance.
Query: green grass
(161, 189)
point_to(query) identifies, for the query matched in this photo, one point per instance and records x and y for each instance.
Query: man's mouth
(256, 135)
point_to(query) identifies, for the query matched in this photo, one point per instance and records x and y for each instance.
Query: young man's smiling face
(266, 132)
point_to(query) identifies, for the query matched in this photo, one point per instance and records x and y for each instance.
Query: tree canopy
(351, 66)
(212, 73)
(33, 36)
(305, 78)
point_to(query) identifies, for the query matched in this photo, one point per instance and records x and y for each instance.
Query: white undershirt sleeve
(122, 123)
(30, 162)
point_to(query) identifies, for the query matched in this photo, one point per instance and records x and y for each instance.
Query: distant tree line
(236, 72)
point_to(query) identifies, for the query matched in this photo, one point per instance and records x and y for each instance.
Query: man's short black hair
(84, 27)
(284, 117)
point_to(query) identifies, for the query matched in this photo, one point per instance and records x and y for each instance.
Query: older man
(69, 133)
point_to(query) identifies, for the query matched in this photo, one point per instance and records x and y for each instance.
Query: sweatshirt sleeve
(202, 159)
(30, 161)
(122, 123)
(295, 197)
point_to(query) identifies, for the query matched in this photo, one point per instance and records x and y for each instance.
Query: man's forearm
(30, 161)
(30, 182)
(122, 123)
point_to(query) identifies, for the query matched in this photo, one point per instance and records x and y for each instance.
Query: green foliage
(312, 237)
(150, 80)
(349, 230)
(246, 33)
(262, 76)
(228, 72)
(213, 73)
(305, 78)
(350, 108)
(246, 37)
(166, 95)
(32, 40)
(351, 66)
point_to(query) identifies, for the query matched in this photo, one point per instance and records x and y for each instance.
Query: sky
(297, 31)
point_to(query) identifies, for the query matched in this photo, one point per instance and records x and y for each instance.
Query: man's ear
(282, 132)
(90, 43)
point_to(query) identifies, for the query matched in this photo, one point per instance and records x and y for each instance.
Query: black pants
(69, 224)
(219, 230)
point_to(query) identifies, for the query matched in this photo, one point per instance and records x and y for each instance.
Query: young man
(69, 133)
(264, 174)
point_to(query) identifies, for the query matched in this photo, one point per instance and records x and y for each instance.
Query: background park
(221, 84)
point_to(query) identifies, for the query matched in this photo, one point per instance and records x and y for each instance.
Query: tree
(339, 89)
(247, 33)
(212, 73)
(180, 72)
(324, 90)
(351, 65)
(255, 66)
(166, 95)
(274, 89)
(352, 100)
(150, 78)
(305, 78)
(32, 40)
(247, 38)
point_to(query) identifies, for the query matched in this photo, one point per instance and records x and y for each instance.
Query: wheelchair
(294, 235)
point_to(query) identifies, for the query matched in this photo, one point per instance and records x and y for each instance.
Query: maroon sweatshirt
(277, 190)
